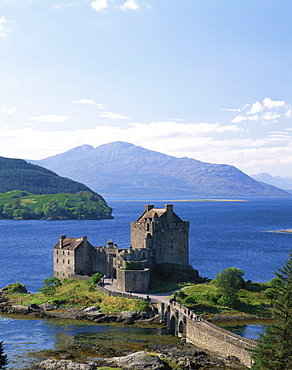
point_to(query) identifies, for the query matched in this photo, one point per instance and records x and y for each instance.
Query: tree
(274, 351)
(228, 282)
(95, 278)
(50, 285)
(3, 357)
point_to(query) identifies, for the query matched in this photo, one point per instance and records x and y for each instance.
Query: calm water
(243, 234)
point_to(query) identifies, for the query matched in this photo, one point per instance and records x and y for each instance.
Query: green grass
(78, 294)
(203, 299)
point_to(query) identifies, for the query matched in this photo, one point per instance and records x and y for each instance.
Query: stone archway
(181, 329)
(172, 325)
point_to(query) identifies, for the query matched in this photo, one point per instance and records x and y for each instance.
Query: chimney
(84, 238)
(169, 212)
(62, 237)
(148, 207)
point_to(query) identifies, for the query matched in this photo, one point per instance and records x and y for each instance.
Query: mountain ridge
(124, 169)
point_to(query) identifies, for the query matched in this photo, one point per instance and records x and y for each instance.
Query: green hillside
(17, 174)
(29, 191)
(24, 205)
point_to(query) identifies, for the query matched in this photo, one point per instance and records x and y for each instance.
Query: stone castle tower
(158, 236)
(162, 231)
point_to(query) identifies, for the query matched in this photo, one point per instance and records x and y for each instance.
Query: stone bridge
(202, 333)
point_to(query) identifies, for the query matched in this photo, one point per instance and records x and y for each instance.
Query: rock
(19, 309)
(48, 307)
(34, 306)
(130, 317)
(52, 364)
(139, 361)
(106, 318)
(233, 359)
(91, 309)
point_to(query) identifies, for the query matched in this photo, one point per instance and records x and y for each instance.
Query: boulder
(52, 364)
(91, 309)
(130, 317)
(19, 309)
(34, 306)
(48, 307)
(139, 361)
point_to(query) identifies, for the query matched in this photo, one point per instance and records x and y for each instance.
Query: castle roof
(159, 213)
(69, 243)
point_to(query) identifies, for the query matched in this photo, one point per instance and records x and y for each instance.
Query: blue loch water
(242, 233)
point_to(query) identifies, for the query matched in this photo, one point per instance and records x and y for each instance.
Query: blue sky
(206, 79)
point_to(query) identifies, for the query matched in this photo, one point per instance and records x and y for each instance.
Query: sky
(205, 79)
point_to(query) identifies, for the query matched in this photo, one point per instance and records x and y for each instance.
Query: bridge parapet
(207, 335)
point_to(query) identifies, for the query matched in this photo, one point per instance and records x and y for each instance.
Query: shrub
(17, 288)
(50, 285)
(95, 278)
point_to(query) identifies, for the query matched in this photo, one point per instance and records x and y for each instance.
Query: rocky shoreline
(183, 356)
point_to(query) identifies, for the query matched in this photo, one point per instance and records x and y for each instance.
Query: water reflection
(24, 337)
(250, 331)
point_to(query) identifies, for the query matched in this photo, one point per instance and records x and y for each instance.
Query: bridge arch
(172, 325)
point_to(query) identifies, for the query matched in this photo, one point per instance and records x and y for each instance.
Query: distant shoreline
(183, 200)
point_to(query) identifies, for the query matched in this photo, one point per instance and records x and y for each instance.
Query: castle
(158, 236)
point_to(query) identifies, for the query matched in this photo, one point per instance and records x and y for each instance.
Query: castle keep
(158, 236)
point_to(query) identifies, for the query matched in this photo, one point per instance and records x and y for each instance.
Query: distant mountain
(278, 181)
(123, 169)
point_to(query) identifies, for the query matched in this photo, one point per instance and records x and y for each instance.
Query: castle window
(63, 252)
(57, 251)
(63, 261)
(68, 253)
(57, 261)
(68, 262)
(147, 227)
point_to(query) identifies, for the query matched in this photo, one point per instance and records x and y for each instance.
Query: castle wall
(64, 263)
(169, 240)
(133, 280)
(84, 258)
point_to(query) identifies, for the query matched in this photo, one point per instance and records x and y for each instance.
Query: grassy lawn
(77, 293)
(203, 299)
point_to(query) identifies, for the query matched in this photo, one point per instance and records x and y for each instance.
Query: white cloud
(289, 113)
(130, 5)
(99, 5)
(255, 108)
(269, 103)
(3, 29)
(112, 115)
(10, 111)
(241, 118)
(83, 101)
(231, 109)
(202, 141)
(63, 6)
(52, 118)
(101, 106)
(270, 116)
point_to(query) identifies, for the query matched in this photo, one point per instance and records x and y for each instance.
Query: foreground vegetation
(24, 205)
(274, 351)
(205, 299)
(77, 294)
